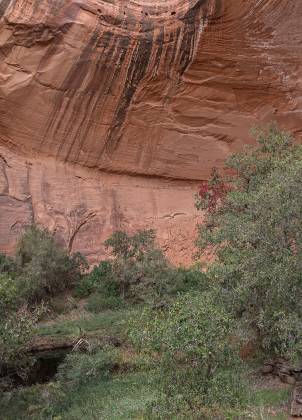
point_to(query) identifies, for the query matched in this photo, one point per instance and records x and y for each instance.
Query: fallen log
(51, 343)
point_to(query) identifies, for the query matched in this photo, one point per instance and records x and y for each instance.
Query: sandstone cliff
(111, 111)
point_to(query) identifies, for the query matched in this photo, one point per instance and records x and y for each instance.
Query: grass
(126, 393)
(122, 397)
(266, 403)
(126, 396)
(271, 397)
(108, 322)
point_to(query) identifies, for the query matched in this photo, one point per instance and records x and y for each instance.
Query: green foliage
(116, 397)
(7, 264)
(98, 302)
(28, 403)
(16, 330)
(100, 277)
(135, 260)
(183, 280)
(79, 369)
(256, 234)
(196, 357)
(113, 323)
(9, 294)
(102, 287)
(135, 246)
(42, 269)
(139, 271)
(196, 325)
(45, 268)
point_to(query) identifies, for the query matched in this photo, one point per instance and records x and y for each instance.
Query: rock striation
(112, 111)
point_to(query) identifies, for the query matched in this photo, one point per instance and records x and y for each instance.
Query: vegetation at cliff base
(146, 339)
(39, 270)
(255, 229)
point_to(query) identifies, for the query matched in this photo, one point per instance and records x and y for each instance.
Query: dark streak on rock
(3, 165)
(30, 199)
(80, 108)
(136, 72)
(3, 6)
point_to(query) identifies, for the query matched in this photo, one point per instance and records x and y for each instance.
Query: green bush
(193, 341)
(45, 268)
(183, 280)
(79, 369)
(9, 294)
(227, 388)
(7, 264)
(99, 277)
(84, 287)
(99, 302)
(254, 226)
(123, 245)
(16, 329)
(135, 262)
(41, 269)
(139, 271)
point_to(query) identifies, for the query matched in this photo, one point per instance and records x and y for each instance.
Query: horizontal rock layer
(131, 94)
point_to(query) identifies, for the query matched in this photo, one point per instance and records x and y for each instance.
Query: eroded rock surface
(111, 111)
(83, 206)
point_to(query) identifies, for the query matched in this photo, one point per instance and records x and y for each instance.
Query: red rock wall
(102, 103)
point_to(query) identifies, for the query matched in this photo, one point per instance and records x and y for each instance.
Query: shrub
(192, 343)
(42, 269)
(132, 256)
(79, 369)
(84, 287)
(45, 268)
(9, 294)
(7, 265)
(228, 387)
(16, 329)
(187, 279)
(143, 278)
(100, 276)
(140, 272)
(98, 302)
(135, 246)
(255, 230)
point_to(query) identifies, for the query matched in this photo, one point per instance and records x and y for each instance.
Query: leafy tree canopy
(254, 228)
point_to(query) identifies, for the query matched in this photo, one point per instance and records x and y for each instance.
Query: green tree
(254, 227)
(142, 272)
(138, 265)
(191, 343)
(44, 267)
(123, 245)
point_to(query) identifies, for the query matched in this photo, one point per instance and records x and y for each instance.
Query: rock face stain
(126, 92)
(121, 51)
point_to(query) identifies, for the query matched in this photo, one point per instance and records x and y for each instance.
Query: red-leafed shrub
(212, 192)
